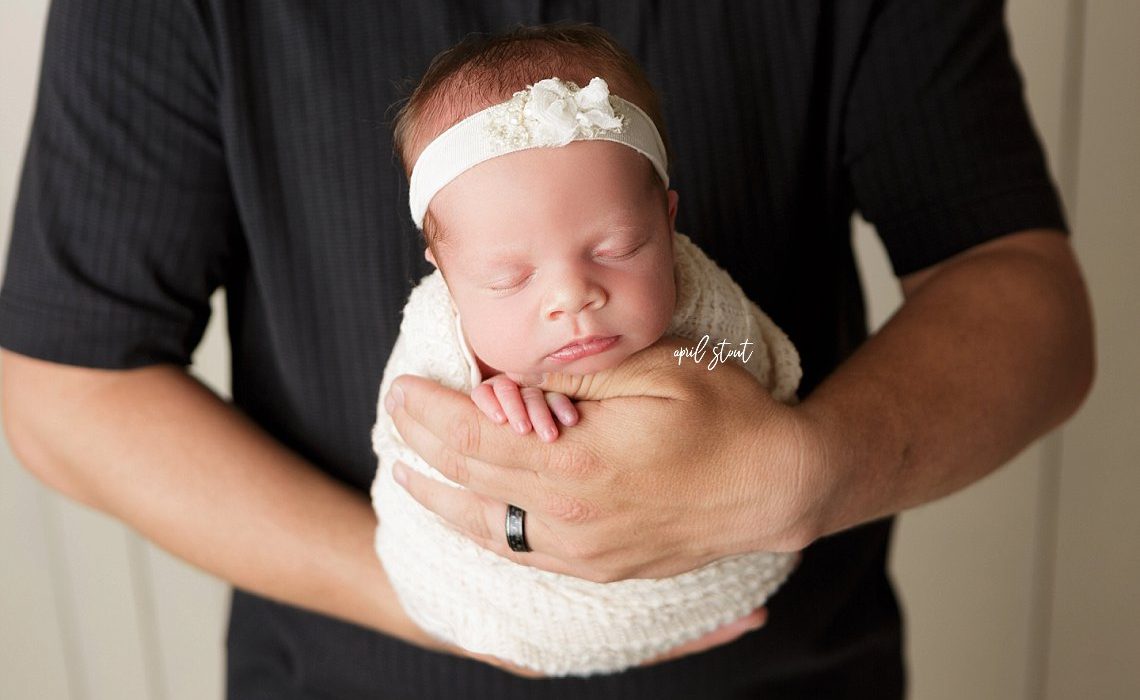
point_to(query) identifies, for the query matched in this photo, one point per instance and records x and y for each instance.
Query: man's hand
(670, 468)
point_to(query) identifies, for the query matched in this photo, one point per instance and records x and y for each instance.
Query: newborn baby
(551, 227)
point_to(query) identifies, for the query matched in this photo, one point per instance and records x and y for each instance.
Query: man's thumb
(631, 378)
(576, 386)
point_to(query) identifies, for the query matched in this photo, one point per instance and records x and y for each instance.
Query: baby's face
(559, 259)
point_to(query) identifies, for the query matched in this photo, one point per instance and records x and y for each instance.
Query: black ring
(516, 536)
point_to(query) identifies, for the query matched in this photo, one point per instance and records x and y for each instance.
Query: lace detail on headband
(553, 112)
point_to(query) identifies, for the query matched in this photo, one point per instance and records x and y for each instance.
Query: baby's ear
(673, 197)
(430, 257)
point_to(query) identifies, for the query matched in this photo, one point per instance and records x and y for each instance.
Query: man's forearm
(991, 352)
(156, 449)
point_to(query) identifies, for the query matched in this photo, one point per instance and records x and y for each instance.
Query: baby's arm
(502, 400)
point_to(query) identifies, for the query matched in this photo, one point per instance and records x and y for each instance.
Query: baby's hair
(486, 69)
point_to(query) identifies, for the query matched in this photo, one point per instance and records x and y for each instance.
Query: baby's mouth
(583, 347)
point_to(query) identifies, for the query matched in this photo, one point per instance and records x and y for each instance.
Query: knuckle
(569, 509)
(483, 391)
(531, 393)
(502, 382)
(466, 436)
(454, 467)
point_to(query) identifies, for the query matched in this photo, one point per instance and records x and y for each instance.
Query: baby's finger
(539, 413)
(484, 397)
(562, 407)
(508, 394)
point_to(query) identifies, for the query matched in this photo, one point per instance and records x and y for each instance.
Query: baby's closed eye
(510, 282)
(621, 254)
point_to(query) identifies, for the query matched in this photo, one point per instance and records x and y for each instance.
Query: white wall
(1022, 586)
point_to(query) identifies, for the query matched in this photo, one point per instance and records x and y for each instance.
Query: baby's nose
(575, 297)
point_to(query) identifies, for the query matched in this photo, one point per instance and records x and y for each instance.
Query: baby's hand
(502, 399)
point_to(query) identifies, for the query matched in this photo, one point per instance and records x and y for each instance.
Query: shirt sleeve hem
(927, 238)
(89, 340)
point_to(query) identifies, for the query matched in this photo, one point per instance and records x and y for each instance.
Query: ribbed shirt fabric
(179, 145)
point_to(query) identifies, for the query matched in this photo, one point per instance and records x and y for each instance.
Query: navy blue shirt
(182, 145)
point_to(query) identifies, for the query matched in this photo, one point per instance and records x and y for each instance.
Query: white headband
(552, 112)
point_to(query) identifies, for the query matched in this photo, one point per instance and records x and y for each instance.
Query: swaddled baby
(547, 213)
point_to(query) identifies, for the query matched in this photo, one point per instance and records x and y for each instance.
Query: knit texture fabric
(560, 625)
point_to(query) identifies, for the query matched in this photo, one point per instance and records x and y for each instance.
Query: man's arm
(990, 350)
(158, 450)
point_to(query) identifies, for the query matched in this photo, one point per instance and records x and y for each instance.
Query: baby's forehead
(495, 208)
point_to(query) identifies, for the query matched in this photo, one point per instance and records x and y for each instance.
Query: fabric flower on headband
(553, 112)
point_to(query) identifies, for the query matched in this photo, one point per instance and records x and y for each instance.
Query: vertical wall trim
(1072, 95)
(147, 616)
(65, 611)
(1044, 568)
(1049, 488)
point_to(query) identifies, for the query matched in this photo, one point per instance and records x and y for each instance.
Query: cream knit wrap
(560, 625)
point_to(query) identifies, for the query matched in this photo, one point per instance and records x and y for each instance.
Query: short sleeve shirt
(179, 146)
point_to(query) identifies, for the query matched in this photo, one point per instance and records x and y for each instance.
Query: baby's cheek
(656, 316)
(503, 349)
(656, 296)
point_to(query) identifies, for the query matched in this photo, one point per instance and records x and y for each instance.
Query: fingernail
(550, 433)
(399, 474)
(394, 398)
(521, 426)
